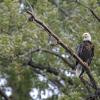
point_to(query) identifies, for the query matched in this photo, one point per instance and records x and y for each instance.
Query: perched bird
(85, 51)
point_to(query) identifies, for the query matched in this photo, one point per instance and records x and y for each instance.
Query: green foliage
(18, 36)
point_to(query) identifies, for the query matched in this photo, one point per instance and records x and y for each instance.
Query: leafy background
(69, 20)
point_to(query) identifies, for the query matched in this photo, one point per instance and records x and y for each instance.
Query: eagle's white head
(86, 36)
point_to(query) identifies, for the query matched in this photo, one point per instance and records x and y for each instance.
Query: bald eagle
(85, 51)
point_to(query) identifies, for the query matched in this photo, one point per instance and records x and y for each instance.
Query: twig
(92, 12)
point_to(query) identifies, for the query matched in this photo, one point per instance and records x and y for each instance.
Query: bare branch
(58, 55)
(60, 42)
(92, 12)
(50, 52)
(78, 2)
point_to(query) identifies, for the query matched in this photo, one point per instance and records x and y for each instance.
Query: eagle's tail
(78, 70)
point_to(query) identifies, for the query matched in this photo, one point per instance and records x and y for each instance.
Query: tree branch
(92, 12)
(58, 55)
(50, 52)
(41, 67)
(60, 42)
(50, 69)
(65, 14)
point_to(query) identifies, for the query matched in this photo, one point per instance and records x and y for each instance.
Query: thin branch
(58, 55)
(29, 52)
(92, 12)
(65, 14)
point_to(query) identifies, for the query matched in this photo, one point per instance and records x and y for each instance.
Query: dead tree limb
(60, 42)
